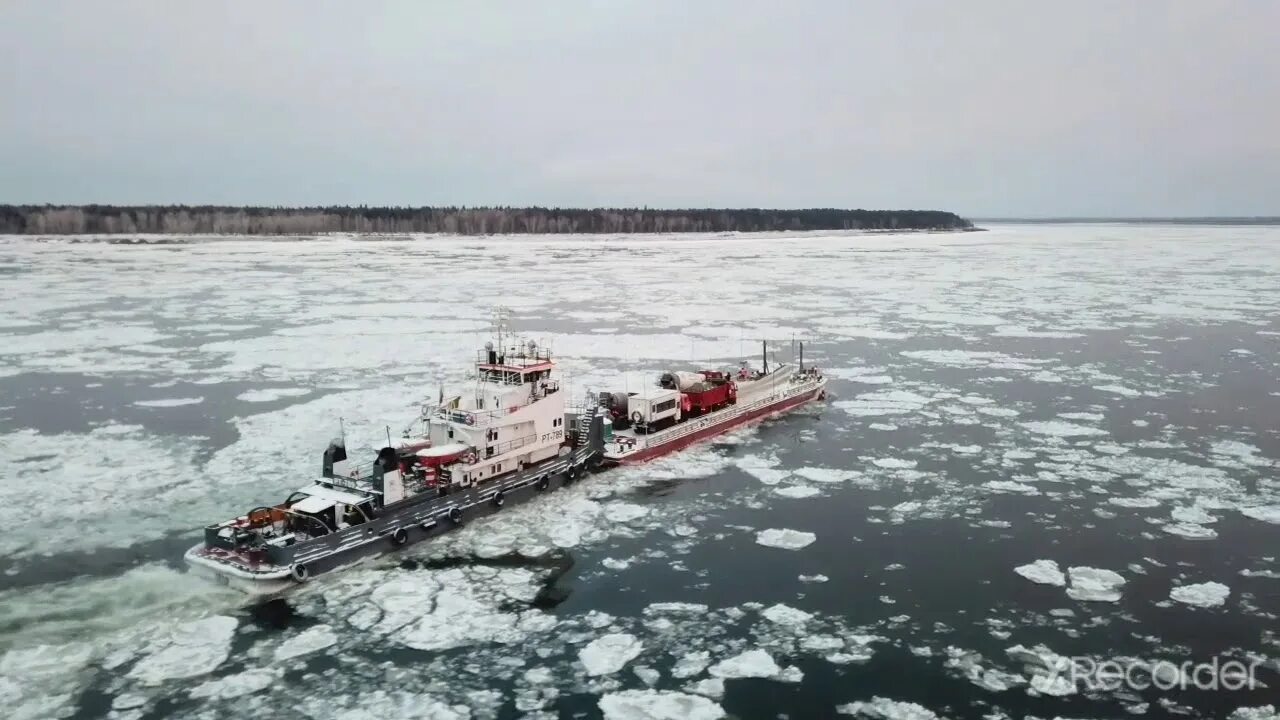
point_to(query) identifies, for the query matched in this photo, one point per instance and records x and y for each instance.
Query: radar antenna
(501, 324)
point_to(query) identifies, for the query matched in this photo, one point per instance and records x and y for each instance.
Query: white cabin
(512, 417)
(654, 404)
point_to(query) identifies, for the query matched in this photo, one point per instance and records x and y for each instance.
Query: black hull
(396, 526)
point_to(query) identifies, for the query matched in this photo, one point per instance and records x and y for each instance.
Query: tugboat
(509, 439)
(686, 407)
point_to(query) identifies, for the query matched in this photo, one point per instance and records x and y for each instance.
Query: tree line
(212, 219)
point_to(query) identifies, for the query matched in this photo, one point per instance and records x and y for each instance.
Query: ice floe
(883, 402)
(1094, 584)
(608, 654)
(1206, 594)
(786, 615)
(1193, 515)
(271, 394)
(785, 539)
(894, 463)
(1135, 502)
(755, 663)
(305, 642)
(169, 402)
(797, 492)
(658, 705)
(826, 475)
(1048, 670)
(1045, 572)
(236, 685)
(1269, 513)
(880, 708)
(620, 512)
(1058, 428)
(1118, 390)
(188, 650)
(1010, 486)
(1258, 712)
(691, 664)
(1190, 530)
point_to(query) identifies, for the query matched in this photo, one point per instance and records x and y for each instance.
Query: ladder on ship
(585, 420)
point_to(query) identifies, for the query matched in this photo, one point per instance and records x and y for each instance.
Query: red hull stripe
(654, 451)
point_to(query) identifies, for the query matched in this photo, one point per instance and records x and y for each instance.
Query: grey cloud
(985, 108)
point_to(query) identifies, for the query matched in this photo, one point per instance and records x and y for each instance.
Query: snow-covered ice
(1058, 428)
(263, 395)
(609, 653)
(658, 705)
(190, 649)
(169, 402)
(1094, 584)
(1045, 572)
(1269, 513)
(880, 708)
(755, 663)
(308, 641)
(1206, 594)
(797, 492)
(785, 539)
(786, 615)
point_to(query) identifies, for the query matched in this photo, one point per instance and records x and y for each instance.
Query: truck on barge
(469, 455)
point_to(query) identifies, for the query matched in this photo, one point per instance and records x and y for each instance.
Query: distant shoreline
(195, 238)
(261, 220)
(1208, 220)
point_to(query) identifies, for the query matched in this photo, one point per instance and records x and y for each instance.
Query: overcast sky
(985, 108)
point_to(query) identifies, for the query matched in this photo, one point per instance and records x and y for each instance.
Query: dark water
(941, 462)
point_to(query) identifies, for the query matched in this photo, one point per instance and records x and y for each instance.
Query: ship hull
(393, 529)
(665, 447)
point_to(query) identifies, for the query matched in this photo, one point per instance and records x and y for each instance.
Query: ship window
(497, 468)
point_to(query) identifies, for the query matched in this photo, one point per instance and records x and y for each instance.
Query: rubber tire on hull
(300, 573)
(455, 515)
(399, 537)
(498, 499)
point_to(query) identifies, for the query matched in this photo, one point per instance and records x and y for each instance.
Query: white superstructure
(512, 417)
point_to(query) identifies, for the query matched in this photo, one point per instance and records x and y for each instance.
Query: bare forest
(183, 219)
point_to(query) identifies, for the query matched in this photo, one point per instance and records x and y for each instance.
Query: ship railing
(471, 417)
(357, 473)
(590, 401)
(508, 446)
(514, 357)
(691, 426)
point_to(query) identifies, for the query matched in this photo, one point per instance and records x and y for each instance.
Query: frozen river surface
(1044, 443)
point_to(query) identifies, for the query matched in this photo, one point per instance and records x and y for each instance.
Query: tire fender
(498, 499)
(455, 515)
(399, 537)
(300, 573)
